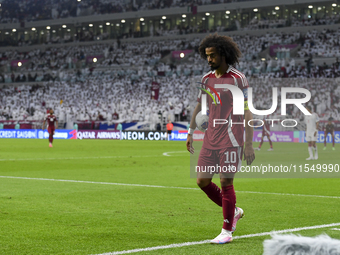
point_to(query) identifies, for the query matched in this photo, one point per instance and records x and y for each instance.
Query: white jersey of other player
(311, 121)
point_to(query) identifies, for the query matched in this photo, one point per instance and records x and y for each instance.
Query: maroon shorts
(51, 130)
(265, 133)
(326, 133)
(226, 161)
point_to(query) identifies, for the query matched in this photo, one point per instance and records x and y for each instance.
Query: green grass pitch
(43, 215)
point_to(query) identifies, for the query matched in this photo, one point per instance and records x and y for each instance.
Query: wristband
(246, 107)
(191, 131)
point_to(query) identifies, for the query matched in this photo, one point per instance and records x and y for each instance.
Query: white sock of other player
(310, 150)
(315, 149)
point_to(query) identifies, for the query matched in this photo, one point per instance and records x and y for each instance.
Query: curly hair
(224, 45)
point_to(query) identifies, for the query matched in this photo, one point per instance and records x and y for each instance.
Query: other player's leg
(325, 142)
(333, 141)
(261, 142)
(270, 143)
(310, 150)
(315, 148)
(50, 137)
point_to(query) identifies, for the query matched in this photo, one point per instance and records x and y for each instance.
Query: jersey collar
(228, 70)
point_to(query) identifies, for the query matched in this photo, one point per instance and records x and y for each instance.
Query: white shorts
(310, 137)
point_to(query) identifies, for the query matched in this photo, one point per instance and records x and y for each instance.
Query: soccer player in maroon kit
(265, 132)
(329, 129)
(223, 144)
(52, 124)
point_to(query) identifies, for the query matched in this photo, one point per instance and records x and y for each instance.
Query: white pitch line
(173, 152)
(104, 183)
(109, 157)
(338, 229)
(68, 158)
(159, 186)
(178, 245)
(286, 194)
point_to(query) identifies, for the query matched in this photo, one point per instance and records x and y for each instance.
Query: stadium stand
(32, 10)
(56, 63)
(98, 81)
(38, 22)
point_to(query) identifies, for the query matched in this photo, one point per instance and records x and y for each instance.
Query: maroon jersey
(51, 119)
(224, 135)
(329, 128)
(266, 128)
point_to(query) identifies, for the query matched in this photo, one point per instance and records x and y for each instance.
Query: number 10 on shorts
(230, 157)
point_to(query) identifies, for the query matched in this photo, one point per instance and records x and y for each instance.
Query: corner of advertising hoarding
(37, 134)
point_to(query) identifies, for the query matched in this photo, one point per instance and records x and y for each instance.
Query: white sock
(310, 150)
(226, 231)
(315, 150)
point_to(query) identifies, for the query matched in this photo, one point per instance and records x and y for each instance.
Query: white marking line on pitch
(106, 157)
(110, 157)
(158, 186)
(104, 183)
(173, 152)
(208, 241)
(286, 194)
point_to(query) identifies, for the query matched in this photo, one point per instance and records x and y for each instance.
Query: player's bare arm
(193, 127)
(43, 125)
(56, 124)
(249, 154)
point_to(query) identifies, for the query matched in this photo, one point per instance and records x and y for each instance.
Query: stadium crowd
(103, 96)
(119, 83)
(88, 35)
(294, 22)
(265, 24)
(32, 10)
(324, 43)
(320, 44)
(98, 98)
